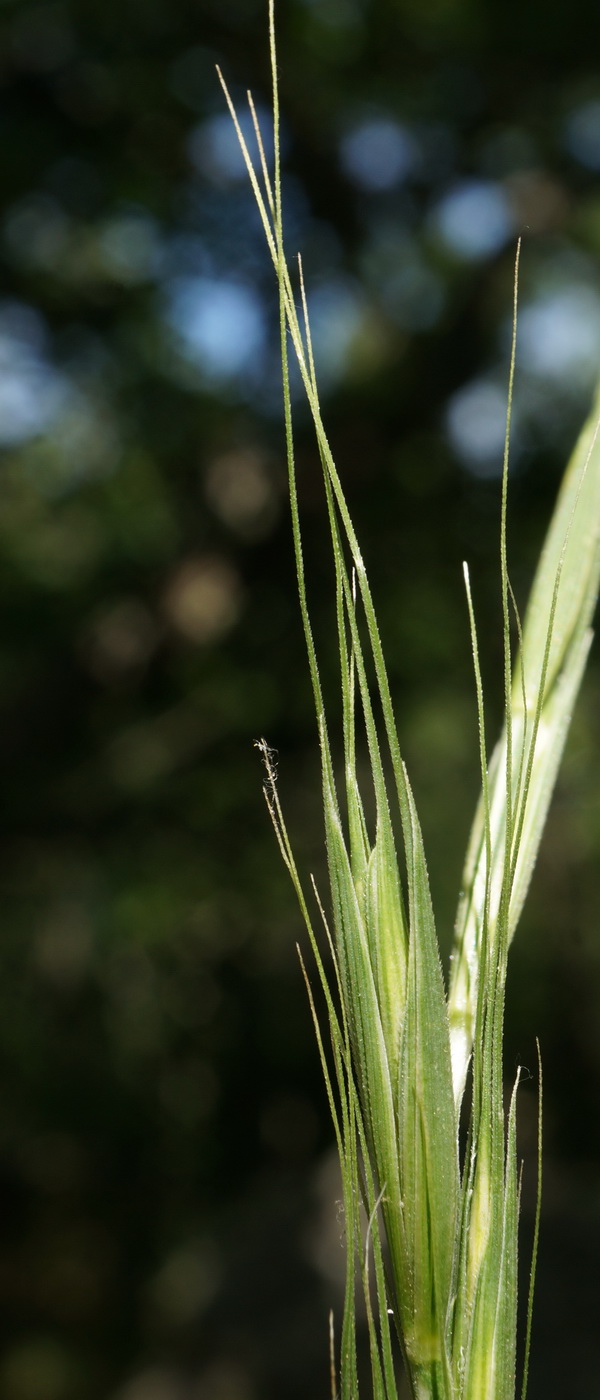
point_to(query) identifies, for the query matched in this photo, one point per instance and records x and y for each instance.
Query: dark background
(169, 1227)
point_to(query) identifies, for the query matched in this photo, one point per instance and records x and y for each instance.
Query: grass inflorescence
(437, 1264)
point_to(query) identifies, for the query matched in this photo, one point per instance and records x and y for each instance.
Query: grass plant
(437, 1264)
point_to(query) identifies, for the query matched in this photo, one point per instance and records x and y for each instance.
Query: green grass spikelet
(437, 1261)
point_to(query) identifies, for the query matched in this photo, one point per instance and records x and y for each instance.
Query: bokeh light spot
(378, 154)
(220, 324)
(559, 335)
(214, 149)
(32, 392)
(474, 219)
(240, 488)
(203, 599)
(130, 246)
(476, 426)
(582, 134)
(337, 311)
(120, 640)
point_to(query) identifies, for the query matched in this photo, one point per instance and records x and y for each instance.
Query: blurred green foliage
(169, 1228)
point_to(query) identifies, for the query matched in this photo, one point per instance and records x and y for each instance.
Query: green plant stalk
(400, 1048)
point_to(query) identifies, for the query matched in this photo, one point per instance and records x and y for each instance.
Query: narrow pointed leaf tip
(547, 676)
